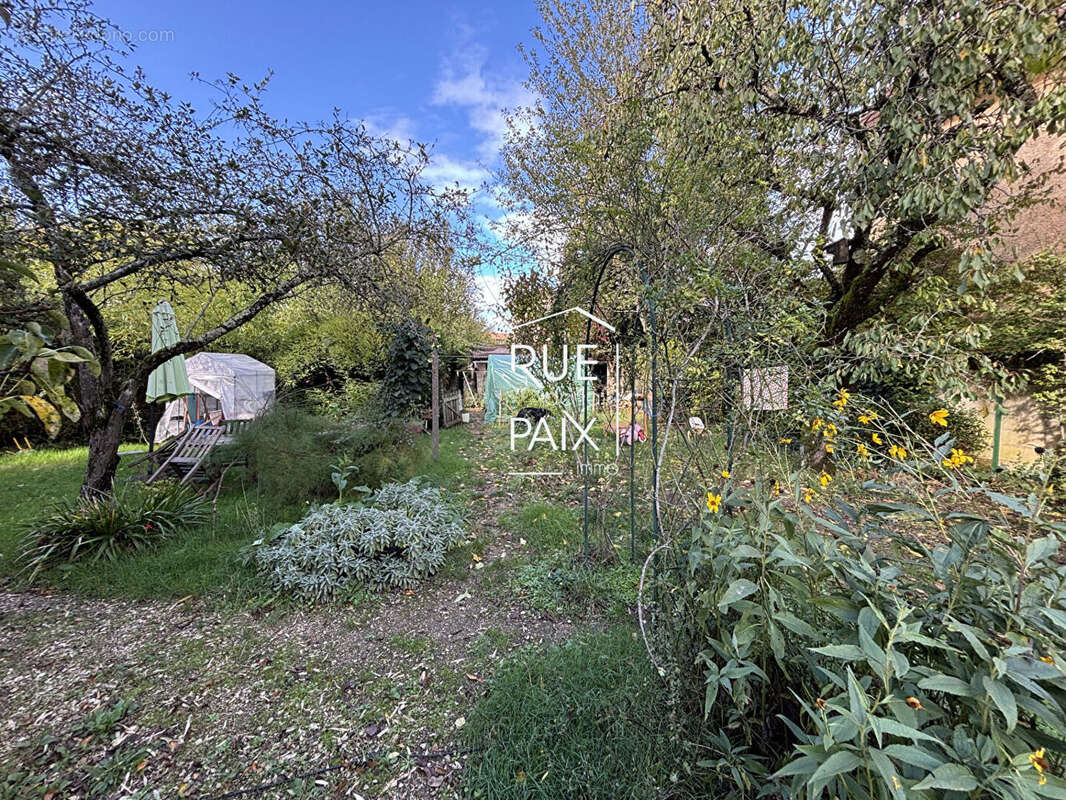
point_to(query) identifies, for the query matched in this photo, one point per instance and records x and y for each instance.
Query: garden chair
(189, 453)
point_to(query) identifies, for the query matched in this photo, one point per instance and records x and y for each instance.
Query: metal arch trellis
(610, 253)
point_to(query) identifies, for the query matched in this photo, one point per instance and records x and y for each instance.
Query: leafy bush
(354, 400)
(406, 384)
(908, 645)
(400, 537)
(293, 454)
(102, 526)
(967, 427)
(580, 719)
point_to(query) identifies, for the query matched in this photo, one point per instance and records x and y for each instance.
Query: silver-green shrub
(398, 538)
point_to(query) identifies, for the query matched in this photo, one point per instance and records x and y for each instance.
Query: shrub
(102, 526)
(406, 384)
(967, 427)
(292, 454)
(582, 719)
(908, 645)
(398, 538)
(354, 400)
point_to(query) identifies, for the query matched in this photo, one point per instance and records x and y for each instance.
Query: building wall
(1023, 429)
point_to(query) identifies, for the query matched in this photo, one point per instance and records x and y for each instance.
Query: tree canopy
(831, 159)
(117, 187)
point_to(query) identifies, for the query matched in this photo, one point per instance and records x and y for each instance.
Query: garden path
(193, 698)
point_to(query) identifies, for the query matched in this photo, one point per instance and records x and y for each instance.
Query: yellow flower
(957, 459)
(725, 473)
(824, 478)
(1047, 659)
(808, 495)
(860, 448)
(939, 417)
(785, 441)
(1036, 758)
(842, 399)
(830, 430)
(876, 437)
(816, 424)
(867, 417)
(714, 502)
(830, 447)
(897, 452)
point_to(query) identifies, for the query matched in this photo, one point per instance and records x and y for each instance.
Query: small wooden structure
(452, 406)
(192, 448)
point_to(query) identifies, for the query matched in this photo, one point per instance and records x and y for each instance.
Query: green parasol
(169, 380)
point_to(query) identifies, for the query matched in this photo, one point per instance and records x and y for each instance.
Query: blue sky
(437, 72)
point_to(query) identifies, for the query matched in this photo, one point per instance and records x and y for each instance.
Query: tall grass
(575, 720)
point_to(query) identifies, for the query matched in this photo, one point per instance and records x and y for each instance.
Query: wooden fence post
(436, 405)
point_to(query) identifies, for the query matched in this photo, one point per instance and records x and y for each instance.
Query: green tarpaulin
(501, 378)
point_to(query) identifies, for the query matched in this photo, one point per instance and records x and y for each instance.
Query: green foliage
(911, 643)
(398, 539)
(354, 400)
(544, 526)
(525, 397)
(100, 527)
(582, 719)
(292, 453)
(51, 766)
(406, 384)
(562, 585)
(34, 375)
(967, 428)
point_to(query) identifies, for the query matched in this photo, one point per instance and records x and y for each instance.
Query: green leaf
(848, 652)
(1004, 700)
(738, 590)
(838, 763)
(914, 755)
(951, 777)
(888, 774)
(894, 727)
(946, 683)
(796, 625)
(1041, 549)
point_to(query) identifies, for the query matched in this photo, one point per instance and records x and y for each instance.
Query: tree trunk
(103, 454)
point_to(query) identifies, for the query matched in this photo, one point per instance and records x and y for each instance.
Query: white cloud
(445, 171)
(523, 230)
(466, 85)
(491, 289)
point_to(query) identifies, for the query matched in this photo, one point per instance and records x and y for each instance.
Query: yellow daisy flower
(939, 417)
(825, 478)
(714, 502)
(876, 437)
(897, 452)
(725, 473)
(809, 494)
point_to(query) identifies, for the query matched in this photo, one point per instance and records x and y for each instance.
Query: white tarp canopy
(228, 385)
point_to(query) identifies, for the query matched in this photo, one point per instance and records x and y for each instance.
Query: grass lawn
(201, 561)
